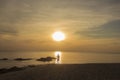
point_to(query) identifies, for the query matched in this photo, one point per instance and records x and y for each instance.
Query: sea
(65, 58)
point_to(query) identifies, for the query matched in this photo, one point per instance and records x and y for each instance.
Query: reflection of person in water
(58, 58)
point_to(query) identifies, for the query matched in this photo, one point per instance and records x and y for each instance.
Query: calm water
(65, 58)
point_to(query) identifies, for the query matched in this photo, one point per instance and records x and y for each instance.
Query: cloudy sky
(89, 25)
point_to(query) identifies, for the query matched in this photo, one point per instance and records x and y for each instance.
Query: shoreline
(92, 71)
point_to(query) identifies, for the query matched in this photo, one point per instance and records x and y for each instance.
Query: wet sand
(66, 72)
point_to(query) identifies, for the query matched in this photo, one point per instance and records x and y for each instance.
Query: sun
(58, 36)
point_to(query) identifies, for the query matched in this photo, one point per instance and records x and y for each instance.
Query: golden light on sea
(58, 55)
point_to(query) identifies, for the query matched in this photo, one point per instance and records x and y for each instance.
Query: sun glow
(57, 53)
(58, 36)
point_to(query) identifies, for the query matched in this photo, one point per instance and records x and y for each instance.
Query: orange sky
(89, 25)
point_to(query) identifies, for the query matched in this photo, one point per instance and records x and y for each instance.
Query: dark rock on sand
(12, 69)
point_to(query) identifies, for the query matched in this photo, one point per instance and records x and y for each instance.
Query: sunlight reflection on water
(58, 55)
(62, 58)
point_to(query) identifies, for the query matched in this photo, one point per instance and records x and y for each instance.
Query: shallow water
(65, 58)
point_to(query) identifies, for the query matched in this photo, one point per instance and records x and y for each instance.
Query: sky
(89, 25)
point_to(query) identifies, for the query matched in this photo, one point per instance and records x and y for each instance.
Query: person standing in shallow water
(58, 58)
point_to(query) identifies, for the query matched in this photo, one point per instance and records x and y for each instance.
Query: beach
(101, 71)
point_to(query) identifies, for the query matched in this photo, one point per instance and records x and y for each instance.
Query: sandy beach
(66, 72)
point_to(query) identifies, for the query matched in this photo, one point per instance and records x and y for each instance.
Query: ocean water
(65, 58)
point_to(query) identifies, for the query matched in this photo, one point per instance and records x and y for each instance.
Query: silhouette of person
(58, 58)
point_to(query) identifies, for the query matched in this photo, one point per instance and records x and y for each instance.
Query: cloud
(55, 13)
(108, 30)
(7, 34)
(8, 31)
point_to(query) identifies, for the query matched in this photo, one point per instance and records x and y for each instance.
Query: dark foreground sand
(66, 72)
